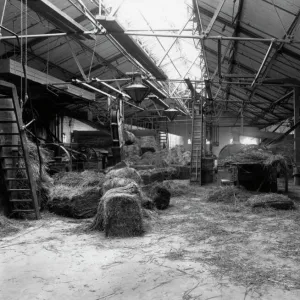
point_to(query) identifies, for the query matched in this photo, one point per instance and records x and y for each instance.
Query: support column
(297, 136)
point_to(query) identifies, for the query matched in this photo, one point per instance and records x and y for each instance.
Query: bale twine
(124, 173)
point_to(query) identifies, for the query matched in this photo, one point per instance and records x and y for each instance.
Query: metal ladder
(162, 135)
(196, 153)
(20, 191)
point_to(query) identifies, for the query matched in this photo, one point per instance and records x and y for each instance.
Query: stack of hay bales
(120, 208)
(178, 156)
(76, 194)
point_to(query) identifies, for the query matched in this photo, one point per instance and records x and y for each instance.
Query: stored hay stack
(120, 214)
(271, 200)
(75, 202)
(124, 173)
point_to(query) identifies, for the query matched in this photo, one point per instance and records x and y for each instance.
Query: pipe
(203, 37)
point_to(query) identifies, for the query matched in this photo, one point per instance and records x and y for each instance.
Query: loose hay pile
(7, 226)
(120, 213)
(42, 179)
(254, 154)
(271, 200)
(227, 194)
(75, 202)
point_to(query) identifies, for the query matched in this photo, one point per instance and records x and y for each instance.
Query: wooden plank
(13, 67)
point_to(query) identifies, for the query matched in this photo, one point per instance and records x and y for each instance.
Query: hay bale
(120, 214)
(124, 173)
(143, 167)
(131, 150)
(129, 138)
(271, 200)
(159, 194)
(134, 189)
(227, 194)
(131, 160)
(74, 179)
(148, 143)
(115, 182)
(158, 174)
(186, 158)
(75, 202)
(161, 197)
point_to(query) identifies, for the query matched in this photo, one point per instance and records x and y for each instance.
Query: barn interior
(149, 149)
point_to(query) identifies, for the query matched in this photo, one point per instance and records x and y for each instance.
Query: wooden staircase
(15, 169)
(197, 141)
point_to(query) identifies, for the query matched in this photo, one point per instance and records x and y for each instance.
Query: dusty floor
(194, 250)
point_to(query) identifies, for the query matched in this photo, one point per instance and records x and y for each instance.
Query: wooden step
(10, 145)
(10, 133)
(21, 200)
(23, 210)
(7, 109)
(19, 190)
(13, 168)
(3, 157)
(16, 179)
